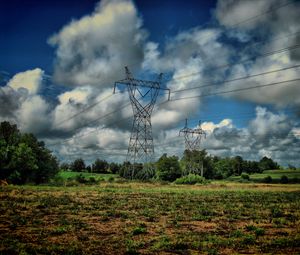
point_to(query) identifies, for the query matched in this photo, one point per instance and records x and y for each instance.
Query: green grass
(66, 174)
(275, 175)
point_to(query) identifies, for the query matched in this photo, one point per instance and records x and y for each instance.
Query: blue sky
(60, 57)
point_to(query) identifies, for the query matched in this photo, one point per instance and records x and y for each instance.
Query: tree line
(24, 159)
(169, 168)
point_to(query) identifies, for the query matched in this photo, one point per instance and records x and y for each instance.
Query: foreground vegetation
(144, 218)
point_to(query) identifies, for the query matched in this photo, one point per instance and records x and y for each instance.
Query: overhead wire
(245, 60)
(234, 90)
(236, 79)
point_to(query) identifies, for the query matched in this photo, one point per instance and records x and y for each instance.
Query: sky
(233, 64)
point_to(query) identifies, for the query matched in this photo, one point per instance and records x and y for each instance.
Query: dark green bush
(267, 179)
(92, 179)
(190, 179)
(111, 179)
(284, 179)
(245, 177)
(80, 178)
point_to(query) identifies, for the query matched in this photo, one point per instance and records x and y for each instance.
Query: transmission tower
(192, 139)
(143, 95)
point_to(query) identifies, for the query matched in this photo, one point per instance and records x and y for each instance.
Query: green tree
(168, 168)
(9, 133)
(23, 164)
(223, 168)
(100, 166)
(46, 162)
(78, 165)
(267, 164)
(23, 158)
(196, 161)
(65, 166)
(237, 162)
(114, 167)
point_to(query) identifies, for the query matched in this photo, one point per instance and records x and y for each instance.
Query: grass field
(274, 174)
(143, 218)
(68, 174)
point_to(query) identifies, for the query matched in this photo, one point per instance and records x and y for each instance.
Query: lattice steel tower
(143, 95)
(192, 139)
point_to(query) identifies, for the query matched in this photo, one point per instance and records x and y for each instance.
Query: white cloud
(94, 49)
(276, 30)
(30, 80)
(268, 134)
(210, 126)
(33, 115)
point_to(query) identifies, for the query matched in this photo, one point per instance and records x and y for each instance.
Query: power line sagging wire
(236, 79)
(234, 90)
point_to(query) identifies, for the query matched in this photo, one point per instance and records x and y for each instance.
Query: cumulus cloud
(9, 101)
(279, 30)
(188, 56)
(94, 49)
(91, 53)
(268, 134)
(33, 115)
(21, 104)
(29, 80)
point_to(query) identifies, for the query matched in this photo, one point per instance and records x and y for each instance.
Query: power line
(95, 120)
(235, 90)
(236, 79)
(85, 109)
(266, 54)
(262, 14)
(125, 105)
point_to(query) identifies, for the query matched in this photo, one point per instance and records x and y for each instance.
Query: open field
(141, 218)
(69, 174)
(293, 175)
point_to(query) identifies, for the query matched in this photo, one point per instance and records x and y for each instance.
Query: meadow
(150, 218)
(293, 176)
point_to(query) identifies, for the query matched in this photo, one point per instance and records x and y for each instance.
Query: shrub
(245, 177)
(80, 178)
(139, 230)
(190, 179)
(284, 179)
(92, 179)
(259, 231)
(267, 179)
(295, 180)
(111, 179)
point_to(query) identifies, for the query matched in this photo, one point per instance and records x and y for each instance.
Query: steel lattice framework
(192, 139)
(143, 95)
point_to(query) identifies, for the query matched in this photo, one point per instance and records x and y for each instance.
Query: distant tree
(284, 179)
(223, 168)
(194, 161)
(65, 166)
(267, 164)
(291, 167)
(124, 170)
(114, 167)
(168, 168)
(100, 166)
(78, 165)
(88, 169)
(237, 162)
